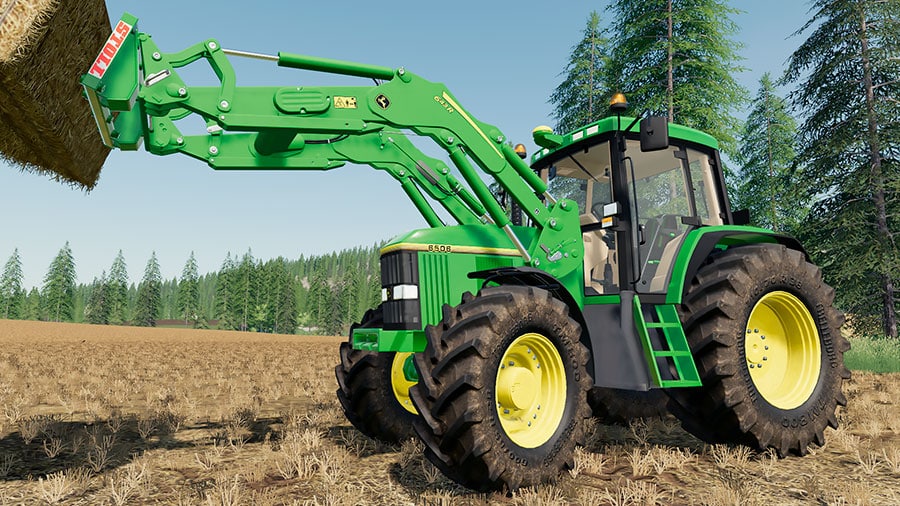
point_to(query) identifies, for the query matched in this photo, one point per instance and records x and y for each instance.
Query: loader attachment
(116, 72)
(45, 126)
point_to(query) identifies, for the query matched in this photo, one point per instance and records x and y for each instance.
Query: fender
(700, 243)
(530, 276)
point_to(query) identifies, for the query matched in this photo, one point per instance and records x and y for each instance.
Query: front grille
(400, 268)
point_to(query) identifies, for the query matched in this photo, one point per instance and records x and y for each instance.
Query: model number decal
(439, 248)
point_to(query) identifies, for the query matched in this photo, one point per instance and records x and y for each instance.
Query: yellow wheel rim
(399, 384)
(783, 351)
(530, 390)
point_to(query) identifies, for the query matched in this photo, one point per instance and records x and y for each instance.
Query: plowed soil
(123, 415)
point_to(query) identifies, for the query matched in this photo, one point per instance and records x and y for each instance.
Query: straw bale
(21, 23)
(45, 123)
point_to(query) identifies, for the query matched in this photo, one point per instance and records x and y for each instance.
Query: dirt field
(120, 415)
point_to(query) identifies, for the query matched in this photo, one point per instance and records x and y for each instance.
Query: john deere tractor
(629, 272)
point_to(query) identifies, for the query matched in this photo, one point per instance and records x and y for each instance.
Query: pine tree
(189, 292)
(319, 298)
(118, 290)
(32, 309)
(847, 74)
(96, 308)
(245, 289)
(582, 96)
(226, 298)
(148, 295)
(677, 59)
(59, 287)
(766, 155)
(12, 296)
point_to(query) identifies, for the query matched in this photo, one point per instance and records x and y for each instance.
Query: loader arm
(137, 96)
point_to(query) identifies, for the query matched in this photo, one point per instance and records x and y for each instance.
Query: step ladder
(666, 346)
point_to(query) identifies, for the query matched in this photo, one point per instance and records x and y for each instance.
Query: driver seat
(596, 253)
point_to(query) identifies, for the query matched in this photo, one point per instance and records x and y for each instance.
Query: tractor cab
(638, 196)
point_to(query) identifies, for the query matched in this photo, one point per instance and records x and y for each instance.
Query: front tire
(767, 344)
(373, 390)
(502, 390)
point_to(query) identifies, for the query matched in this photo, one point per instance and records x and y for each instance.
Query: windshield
(585, 177)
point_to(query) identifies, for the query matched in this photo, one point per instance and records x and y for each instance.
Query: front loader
(629, 274)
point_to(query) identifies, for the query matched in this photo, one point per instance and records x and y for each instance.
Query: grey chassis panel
(619, 360)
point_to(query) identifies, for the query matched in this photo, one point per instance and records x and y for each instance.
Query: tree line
(323, 294)
(820, 161)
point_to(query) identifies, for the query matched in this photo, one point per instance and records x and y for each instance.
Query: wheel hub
(530, 390)
(783, 350)
(516, 388)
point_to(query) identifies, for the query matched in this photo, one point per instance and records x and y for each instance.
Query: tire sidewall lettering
(812, 409)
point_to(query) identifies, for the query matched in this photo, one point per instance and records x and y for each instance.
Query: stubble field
(121, 415)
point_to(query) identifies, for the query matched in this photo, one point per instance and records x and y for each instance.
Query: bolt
(529, 424)
(213, 150)
(539, 406)
(751, 366)
(553, 223)
(511, 363)
(449, 140)
(528, 350)
(444, 171)
(762, 337)
(765, 358)
(213, 46)
(534, 357)
(223, 104)
(182, 91)
(563, 205)
(222, 117)
(180, 140)
(766, 347)
(756, 331)
(157, 56)
(749, 332)
(537, 262)
(534, 416)
(401, 71)
(402, 173)
(759, 365)
(505, 411)
(539, 366)
(499, 138)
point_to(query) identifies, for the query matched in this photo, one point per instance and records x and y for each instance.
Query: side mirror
(740, 217)
(654, 133)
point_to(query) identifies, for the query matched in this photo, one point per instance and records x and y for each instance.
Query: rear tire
(767, 344)
(366, 389)
(502, 390)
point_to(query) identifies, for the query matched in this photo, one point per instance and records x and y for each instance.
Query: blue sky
(500, 59)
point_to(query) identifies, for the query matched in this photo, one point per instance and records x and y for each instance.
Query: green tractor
(627, 277)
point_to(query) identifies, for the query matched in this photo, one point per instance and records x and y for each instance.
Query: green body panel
(447, 255)
(374, 339)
